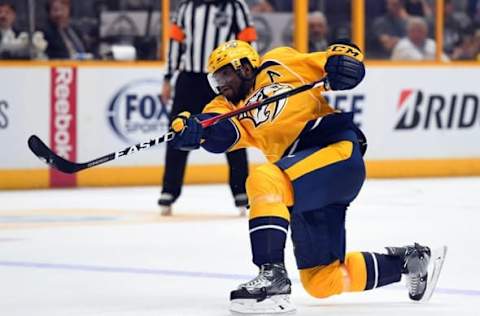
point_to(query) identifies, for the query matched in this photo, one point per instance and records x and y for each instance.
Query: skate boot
(268, 293)
(422, 268)
(241, 202)
(165, 203)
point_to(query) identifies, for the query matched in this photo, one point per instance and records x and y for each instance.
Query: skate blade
(434, 269)
(277, 304)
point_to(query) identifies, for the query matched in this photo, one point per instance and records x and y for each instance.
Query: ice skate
(422, 268)
(268, 293)
(242, 211)
(241, 202)
(165, 203)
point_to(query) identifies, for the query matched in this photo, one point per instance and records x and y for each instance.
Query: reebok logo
(63, 129)
(62, 97)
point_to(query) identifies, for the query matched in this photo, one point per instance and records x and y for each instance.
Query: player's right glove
(344, 67)
(188, 132)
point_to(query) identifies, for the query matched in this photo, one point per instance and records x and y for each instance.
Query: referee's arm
(177, 38)
(244, 22)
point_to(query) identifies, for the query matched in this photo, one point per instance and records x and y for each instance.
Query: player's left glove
(344, 67)
(188, 132)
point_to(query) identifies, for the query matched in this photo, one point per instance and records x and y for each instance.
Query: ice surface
(108, 252)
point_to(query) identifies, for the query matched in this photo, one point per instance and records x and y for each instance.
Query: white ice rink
(108, 252)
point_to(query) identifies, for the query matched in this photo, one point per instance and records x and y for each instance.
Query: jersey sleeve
(176, 41)
(309, 66)
(226, 135)
(244, 22)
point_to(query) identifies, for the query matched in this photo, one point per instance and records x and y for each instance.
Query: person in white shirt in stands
(416, 45)
(13, 44)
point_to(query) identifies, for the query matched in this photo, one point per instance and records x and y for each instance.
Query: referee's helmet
(232, 52)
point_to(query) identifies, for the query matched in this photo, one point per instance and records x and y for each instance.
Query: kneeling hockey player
(315, 169)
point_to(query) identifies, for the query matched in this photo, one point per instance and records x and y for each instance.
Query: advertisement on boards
(24, 110)
(82, 113)
(136, 111)
(3, 114)
(411, 114)
(123, 107)
(63, 121)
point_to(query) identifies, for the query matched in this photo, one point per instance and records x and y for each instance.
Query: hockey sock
(369, 270)
(267, 236)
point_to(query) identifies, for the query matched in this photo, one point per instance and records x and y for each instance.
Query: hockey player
(314, 171)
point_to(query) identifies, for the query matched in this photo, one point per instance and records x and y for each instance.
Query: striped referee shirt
(200, 26)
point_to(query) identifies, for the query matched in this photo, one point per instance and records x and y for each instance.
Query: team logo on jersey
(268, 112)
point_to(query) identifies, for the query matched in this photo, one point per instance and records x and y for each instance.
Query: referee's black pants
(192, 93)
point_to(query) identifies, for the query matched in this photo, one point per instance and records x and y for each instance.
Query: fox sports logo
(136, 112)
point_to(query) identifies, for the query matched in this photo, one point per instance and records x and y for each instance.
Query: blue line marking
(178, 273)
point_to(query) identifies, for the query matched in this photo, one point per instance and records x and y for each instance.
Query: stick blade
(38, 147)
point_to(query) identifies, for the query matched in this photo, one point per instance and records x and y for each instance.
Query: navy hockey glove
(188, 132)
(344, 67)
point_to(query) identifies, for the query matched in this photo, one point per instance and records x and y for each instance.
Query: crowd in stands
(405, 30)
(59, 33)
(394, 29)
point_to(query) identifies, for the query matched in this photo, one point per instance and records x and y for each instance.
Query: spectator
(416, 45)
(7, 19)
(259, 6)
(419, 8)
(457, 23)
(288, 6)
(476, 44)
(13, 44)
(64, 41)
(317, 32)
(469, 47)
(8, 35)
(474, 7)
(390, 27)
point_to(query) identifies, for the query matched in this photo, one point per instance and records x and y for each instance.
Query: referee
(198, 28)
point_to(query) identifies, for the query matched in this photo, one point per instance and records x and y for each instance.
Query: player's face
(227, 82)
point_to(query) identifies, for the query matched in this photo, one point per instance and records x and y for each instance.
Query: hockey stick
(38, 147)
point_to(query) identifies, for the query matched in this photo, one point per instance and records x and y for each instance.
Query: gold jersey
(275, 126)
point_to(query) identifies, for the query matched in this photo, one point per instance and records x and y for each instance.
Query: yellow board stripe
(24, 178)
(324, 157)
(152, 175)
(423, 168)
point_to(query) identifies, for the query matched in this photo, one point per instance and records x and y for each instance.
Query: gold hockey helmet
(232, 52)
